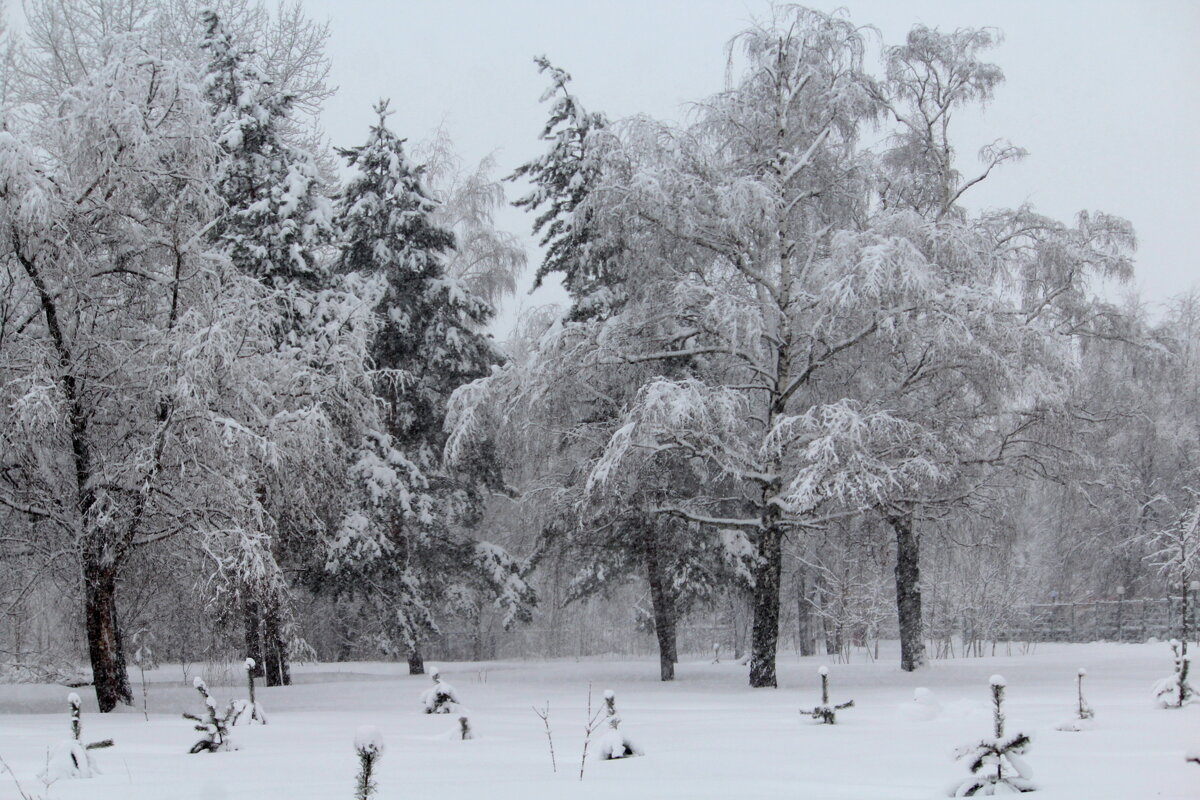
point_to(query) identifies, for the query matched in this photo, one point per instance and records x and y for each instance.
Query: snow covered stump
(1083, 712)
(70, 758)
(464, 728)
(441, 697)
(996, 763)
(613, 743)
(1176, 691)
(368, 744)
(825, 712)
(214, 727)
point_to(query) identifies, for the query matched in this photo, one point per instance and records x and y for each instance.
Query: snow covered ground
(706, 736)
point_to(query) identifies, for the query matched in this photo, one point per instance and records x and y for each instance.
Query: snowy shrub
(464, 728)
(1175, 690)
(826, 712)
(70, 758)
(613, 743)
(996, 764)
(368, 744)
(1083, 712)
(214, 727)
(257, 714)
(439, 698)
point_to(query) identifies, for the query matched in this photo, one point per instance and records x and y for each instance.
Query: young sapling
(368, 744)
(996, 764)
(826, 712)
(544, 715)
(1083, 711)
(1175, 690)
(614, 743)
(70, 758)
(215, 727)
(441, 697)
(464, 728)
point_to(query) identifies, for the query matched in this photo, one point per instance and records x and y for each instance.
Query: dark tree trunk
(416, 662)
(664, 610)
(908, 593)
(104, 637)
(279, 672)
(804, 617)
(765, 637)
(251, 615)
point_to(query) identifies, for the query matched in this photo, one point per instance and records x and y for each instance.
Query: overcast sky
(1105, 96)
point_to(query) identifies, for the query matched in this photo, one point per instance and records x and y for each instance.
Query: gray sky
(1105, 95)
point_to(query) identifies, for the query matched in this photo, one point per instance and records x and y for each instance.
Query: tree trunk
(664, 610)
(251, 614)
(279, 672)
(104, 637)
(908, 593)
(416, 663)
(765, 638)
(804, 616)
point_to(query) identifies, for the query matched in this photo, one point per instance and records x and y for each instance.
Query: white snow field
(705, 736)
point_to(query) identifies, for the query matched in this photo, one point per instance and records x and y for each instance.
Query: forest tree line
(251, 404)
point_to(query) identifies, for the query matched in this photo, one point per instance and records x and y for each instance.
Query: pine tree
(996, 764)
(274, 217)
(562, 179)
(408, 528)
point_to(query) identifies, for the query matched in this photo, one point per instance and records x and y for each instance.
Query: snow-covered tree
(72, 758)
(826, 712)
(406, 530)
(441, 697)
(613, 742)
(368, 745)
(1176, 690)
(215, 726)
(996, 764)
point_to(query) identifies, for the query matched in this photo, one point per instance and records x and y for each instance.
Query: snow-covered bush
(1083, 711)
(996, 764)
(1175, 690)
(214, 727)
(70, 758)
(441, 697)
(368, 744)
(613, 742)
(826, 712)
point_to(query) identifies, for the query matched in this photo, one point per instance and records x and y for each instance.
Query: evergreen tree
(408, 528)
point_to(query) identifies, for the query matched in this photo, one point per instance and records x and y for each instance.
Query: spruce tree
(408, 533)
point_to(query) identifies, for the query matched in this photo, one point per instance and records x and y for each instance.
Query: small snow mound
(924, 706)
(608, 694)
(998, 680)
(73, 699)
(197, 682)
(1082, 672)
(433, 670)
(368, 738)
(250, 663)
(68, 759)
(823, 671)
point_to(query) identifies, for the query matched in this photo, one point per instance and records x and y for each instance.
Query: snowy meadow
(822, 471)
(706, 735)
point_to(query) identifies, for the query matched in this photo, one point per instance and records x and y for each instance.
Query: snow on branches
(996, 764)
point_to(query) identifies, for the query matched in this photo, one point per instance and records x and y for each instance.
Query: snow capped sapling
(613, 743)
(1083, 712)
(256, 710)
(825, 712)
(441, 697)
(1175, 690)
(996, 764)
(368, 744)
(464, 728)
(70, 757)
(215, 728)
